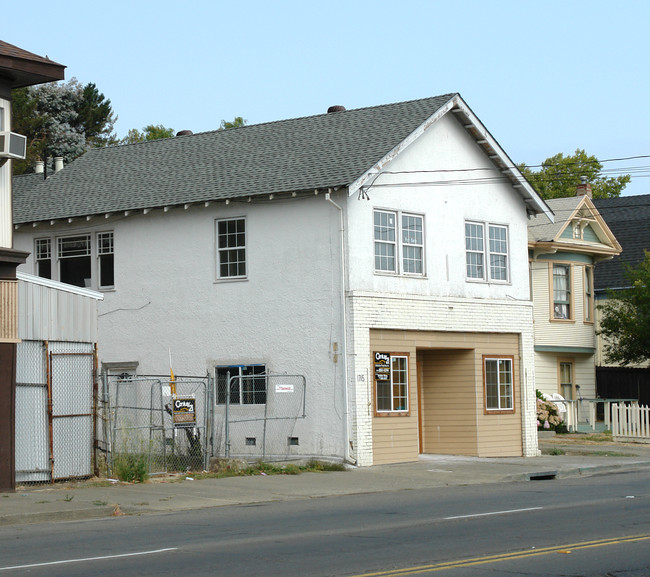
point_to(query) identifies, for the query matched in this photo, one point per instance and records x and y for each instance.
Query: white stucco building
(381, 252)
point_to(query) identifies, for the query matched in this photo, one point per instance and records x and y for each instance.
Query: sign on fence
(184, 412)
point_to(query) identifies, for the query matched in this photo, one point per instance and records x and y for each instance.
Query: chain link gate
(260, 423)
(55, 411)
(148, 427)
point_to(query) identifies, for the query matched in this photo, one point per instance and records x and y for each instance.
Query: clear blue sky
(543, 76)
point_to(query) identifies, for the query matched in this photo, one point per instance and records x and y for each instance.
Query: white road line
(494, 513)
(88, 559)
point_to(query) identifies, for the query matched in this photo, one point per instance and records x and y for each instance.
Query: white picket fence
(631, 422)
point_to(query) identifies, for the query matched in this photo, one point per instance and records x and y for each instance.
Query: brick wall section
(399, 312)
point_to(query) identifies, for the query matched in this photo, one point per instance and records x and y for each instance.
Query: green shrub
(131, 467)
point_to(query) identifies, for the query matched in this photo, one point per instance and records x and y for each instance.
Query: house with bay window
(563, 257)
(380, 252)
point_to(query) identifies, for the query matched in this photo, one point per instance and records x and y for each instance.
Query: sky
(543, 76)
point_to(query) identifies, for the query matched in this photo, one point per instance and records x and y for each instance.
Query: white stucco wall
(444, 146)
(286, 314)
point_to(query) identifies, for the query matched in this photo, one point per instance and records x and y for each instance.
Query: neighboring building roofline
(59, 286)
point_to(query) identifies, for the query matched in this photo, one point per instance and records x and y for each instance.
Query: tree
(237, 122)
(559, 176)
(625, 321)
(150, 132)
(61, 119)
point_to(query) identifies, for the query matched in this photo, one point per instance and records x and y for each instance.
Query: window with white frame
(247, 384)
(231, 248)
(71, 259)
(399, 242)
(44, 257)
(498, 378)
(391, 383)
(74, 260)
(562, 309)
(105, 259)
(486, 260)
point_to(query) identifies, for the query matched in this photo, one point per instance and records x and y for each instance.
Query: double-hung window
(44, 257)
(231, 248)
(399, 242)
(391, 379)
(486, 259)
(105, 259)
(74, 256)
(498, 377)
(589, 294)
(247, 384)
(562, 291)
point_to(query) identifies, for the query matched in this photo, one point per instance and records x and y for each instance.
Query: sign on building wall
(382, 366)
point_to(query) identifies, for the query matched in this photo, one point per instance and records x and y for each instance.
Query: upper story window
(81, 260)
(562, 309)
(486, 259)
(399, 242)
(231, 248)
(589, 294)
(498, 378)
(105, 259)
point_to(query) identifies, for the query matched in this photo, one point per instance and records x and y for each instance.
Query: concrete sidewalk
(83, 501)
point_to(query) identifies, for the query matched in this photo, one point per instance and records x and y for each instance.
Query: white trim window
(105, 260)
(83, 260)
(499, 395)
(486, 261)
(392, 390)
(231, 248)
(399, 242)
(74, 259)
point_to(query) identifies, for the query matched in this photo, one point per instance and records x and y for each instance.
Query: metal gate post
(227, 415)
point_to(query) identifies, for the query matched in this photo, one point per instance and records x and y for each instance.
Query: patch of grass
(554, 452)
(264, 468)
(100, 503)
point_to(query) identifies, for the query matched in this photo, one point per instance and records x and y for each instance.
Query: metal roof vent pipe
(58, 163)
(584, 188)
(38, 168)
(336, 108)
(184, 133)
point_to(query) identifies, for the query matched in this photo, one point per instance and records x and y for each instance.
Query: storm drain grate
(542, 476)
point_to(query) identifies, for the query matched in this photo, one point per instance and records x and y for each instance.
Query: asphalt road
(584, 526)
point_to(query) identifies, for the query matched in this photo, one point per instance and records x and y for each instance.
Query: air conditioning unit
(12, 145)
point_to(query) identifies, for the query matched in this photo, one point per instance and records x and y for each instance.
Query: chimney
(38, 169)
(58, 163)
(584, 188)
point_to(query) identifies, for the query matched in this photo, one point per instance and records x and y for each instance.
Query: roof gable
(578, 227)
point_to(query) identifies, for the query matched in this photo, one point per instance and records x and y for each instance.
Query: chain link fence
(148, 428)
(257, 416)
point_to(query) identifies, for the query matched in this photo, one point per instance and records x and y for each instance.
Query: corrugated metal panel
(48, 310)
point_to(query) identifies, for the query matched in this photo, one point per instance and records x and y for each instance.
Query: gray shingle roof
(326, 150)
(540, 229)
(628, 217)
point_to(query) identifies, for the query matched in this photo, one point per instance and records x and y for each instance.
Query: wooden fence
(631, 422)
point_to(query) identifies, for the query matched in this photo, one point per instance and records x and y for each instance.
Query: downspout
(346, 431)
